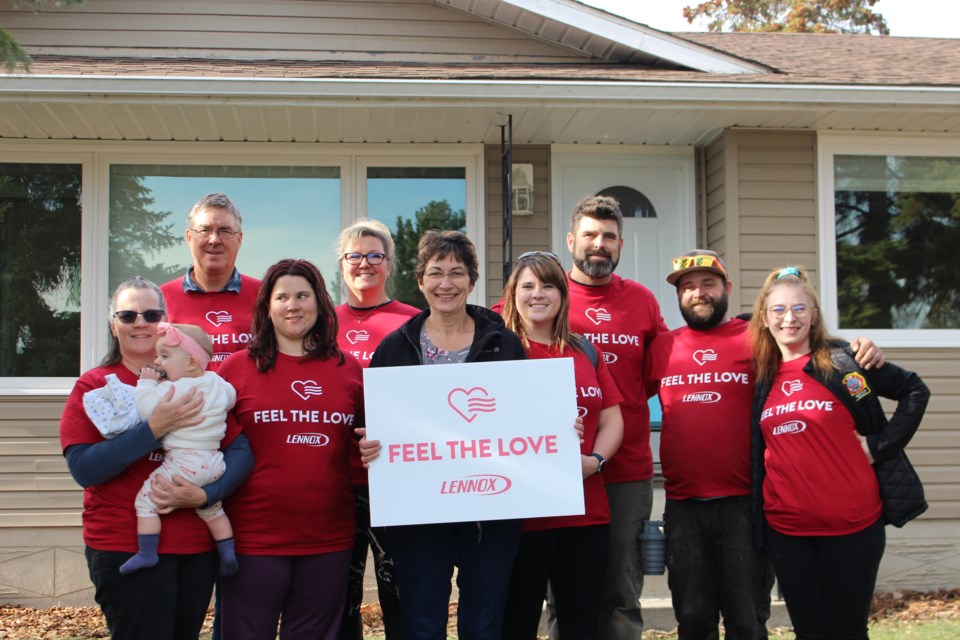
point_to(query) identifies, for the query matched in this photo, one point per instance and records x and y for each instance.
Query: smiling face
(214, 256)
(595, 247)
(366, 283)
(293, 312)
(538, 302)
(704, 299)
(446, 285)
(138, 339)
(791, 332)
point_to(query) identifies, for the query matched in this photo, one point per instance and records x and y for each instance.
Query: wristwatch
(601, 459)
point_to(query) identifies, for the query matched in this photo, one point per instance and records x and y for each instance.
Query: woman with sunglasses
(569, 551)
(168, 601)
(824, 457)
(366, 254)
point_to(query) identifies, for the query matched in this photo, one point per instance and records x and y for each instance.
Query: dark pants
(165, 602)
(714, 568)
(304, 593)
(425, 556)
(828, 581)
(572, 558)
(352, 626)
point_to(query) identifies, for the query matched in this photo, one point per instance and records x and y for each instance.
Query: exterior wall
(530, 233)
(41, 554)
(354, 30)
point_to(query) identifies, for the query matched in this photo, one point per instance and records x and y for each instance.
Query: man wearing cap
(621, 317)
(213, 294)
(704, 375)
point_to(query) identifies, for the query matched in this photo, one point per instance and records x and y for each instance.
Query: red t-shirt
(359, 335)
(595, 391)
(109, 519)
(706, 391)
(224, 315)
(819, 482)
(622, 318)
(299, 418)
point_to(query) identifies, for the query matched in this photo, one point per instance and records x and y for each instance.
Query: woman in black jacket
(450, 331)
(823, 452)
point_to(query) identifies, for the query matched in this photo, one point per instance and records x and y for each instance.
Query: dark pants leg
(714, 569)
(577, 578)
(528, 584)
(485, 552)
(166, 602)
(828, 581)
(304, 593)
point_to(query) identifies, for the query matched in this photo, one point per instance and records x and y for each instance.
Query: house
(837, 152)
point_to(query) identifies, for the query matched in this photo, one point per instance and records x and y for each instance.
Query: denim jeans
(714, 568)
(425, 556)
(166, 602)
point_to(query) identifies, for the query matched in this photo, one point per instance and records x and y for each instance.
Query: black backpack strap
(587, 348)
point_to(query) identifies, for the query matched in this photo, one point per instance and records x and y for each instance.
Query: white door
(658, 226)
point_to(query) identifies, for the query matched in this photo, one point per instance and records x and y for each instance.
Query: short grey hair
(215, 201)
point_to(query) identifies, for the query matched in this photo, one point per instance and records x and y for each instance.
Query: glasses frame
(359, 257)
(224, 233)
(804, 311)
(159, 313)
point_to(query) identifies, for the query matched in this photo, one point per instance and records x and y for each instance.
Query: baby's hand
(151, 373)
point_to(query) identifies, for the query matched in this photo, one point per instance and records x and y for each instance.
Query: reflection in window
(633, 204)
(897, 234)
(412, 200)
(39, 270)
(288, 212)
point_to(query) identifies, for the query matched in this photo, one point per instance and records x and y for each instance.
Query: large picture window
(40, 218)
(891, 231)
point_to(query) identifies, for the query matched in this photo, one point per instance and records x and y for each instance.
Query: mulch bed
(23, 623)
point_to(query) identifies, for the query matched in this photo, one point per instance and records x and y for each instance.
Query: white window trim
(830, 145)
(97, 157)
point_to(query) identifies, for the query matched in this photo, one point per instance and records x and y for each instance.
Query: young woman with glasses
(822, 452)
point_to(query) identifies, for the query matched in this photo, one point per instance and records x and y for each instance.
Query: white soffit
(600, 34)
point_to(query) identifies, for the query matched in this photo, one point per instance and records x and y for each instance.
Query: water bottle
(653, 548)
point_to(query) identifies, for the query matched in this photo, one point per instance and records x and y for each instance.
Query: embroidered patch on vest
(856, 385)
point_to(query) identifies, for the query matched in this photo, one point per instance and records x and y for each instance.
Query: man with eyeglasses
(704, 375)
(213, 294)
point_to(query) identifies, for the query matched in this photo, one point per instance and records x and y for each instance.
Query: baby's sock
(146, 556)
(228, 557)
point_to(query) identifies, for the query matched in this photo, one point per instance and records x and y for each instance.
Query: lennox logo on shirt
(793, 426)
(609, 358)
(309, 439)
(704, 397)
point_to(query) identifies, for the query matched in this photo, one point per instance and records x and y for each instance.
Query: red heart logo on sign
(469, 403)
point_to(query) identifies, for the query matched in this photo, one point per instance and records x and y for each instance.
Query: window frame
(830, 145)
(96, 158)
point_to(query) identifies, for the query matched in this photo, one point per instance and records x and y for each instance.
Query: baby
(183, 351)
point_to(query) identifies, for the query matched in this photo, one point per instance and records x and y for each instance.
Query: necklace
(369, 311)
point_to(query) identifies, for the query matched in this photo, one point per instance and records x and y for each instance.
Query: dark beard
(700, 323)
(596, 269)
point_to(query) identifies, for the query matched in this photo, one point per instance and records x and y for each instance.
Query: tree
(791, 16)
(11, 53)
(437, 214)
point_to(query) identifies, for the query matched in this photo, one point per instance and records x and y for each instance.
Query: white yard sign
(478, 441)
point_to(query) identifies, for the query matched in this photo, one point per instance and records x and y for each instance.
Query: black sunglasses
(129, 317)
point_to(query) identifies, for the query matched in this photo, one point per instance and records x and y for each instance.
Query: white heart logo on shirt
(354, 336)
(306, 388)
(217, 318)
(789, 387)
(704, 356)
(598, 315)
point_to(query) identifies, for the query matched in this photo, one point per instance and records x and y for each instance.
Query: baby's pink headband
(173, 337)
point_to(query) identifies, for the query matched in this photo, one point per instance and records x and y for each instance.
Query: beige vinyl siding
(349, 30)
(530, 233)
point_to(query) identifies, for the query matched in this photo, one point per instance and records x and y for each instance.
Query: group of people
(279, 440)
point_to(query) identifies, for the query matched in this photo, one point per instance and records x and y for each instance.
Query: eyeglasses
(372, 258)
(225, 233)
(530, 254)
(778, 311)
(150, 315)
(438, 276)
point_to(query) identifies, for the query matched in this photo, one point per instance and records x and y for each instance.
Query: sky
(917, 18)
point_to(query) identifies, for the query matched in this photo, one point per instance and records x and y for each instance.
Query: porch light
(522, 179)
